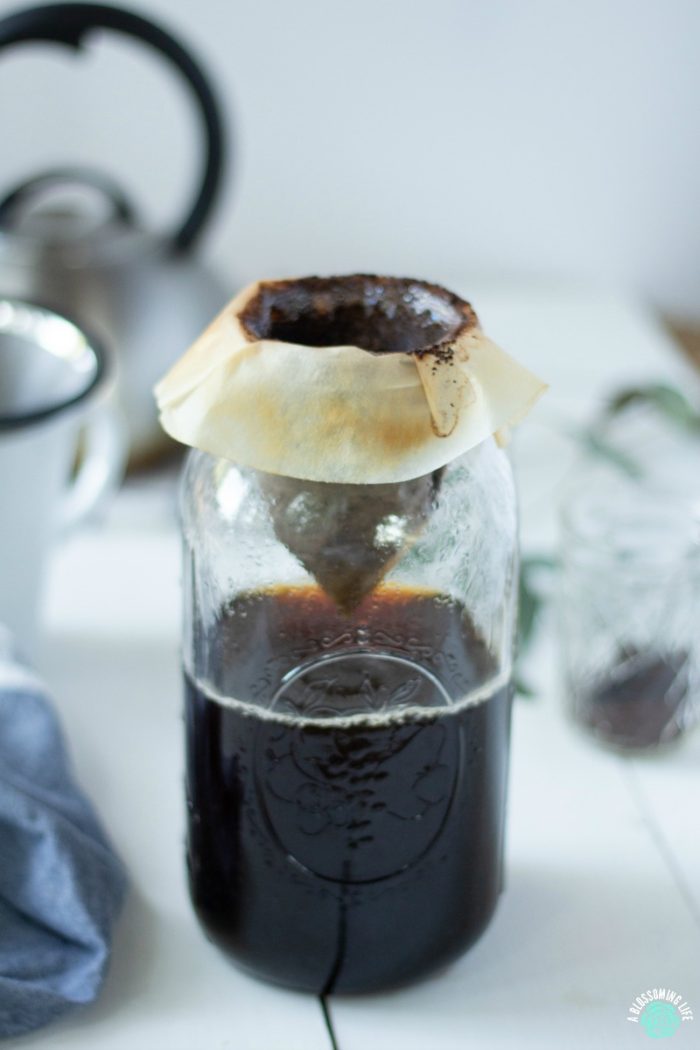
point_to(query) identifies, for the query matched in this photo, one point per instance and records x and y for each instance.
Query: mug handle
(100, 470)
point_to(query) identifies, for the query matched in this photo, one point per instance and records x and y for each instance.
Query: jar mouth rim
(376, 314)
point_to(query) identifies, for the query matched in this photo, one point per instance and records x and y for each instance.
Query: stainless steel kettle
(147, 293)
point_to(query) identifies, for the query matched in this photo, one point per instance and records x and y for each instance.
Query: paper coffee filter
(355, 380)
(349, 395)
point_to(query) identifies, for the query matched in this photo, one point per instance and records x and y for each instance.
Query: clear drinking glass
(630, 611)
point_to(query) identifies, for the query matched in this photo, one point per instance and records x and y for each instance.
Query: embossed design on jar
(356, 799)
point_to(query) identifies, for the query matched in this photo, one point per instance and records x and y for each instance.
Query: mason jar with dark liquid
(347, 664)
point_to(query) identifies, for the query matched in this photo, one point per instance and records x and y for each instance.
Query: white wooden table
(603, 854)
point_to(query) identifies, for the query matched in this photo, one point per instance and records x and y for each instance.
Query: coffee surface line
(374, 719)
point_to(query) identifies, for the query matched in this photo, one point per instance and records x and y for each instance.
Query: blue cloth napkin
(61, 884)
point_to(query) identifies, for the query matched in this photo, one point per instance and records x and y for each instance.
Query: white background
(496, 138)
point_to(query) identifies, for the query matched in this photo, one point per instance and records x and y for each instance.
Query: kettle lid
(66, 206)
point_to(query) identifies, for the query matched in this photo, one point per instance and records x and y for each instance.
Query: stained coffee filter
(350, 393)
(358, 380)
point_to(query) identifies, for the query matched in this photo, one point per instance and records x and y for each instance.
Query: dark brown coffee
(345, 811)
(638, 703)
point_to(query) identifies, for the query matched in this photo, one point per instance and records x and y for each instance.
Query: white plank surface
(603, 871)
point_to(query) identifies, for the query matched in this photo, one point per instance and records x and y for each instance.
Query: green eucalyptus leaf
(530, 604)
(669, 401)
(539, 561)
(598, 446)
(522, 688)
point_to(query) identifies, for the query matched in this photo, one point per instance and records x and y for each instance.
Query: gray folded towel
(61, 884)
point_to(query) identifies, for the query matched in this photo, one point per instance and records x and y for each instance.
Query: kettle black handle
(69, 24)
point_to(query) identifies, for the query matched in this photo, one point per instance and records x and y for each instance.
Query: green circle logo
(660, 1019)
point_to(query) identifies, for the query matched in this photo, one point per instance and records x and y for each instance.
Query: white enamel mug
(54, 383)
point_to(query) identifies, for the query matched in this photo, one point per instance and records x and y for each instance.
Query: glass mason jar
(347, 660)
(630, 610)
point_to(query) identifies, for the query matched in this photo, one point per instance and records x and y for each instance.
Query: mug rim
(103, 367)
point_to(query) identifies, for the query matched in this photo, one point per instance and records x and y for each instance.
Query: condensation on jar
(347, 733)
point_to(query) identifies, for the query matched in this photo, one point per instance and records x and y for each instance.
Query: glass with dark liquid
(347, 671)
(629, 610)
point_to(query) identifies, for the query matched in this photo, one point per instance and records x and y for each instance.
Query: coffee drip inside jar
(348, 536)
